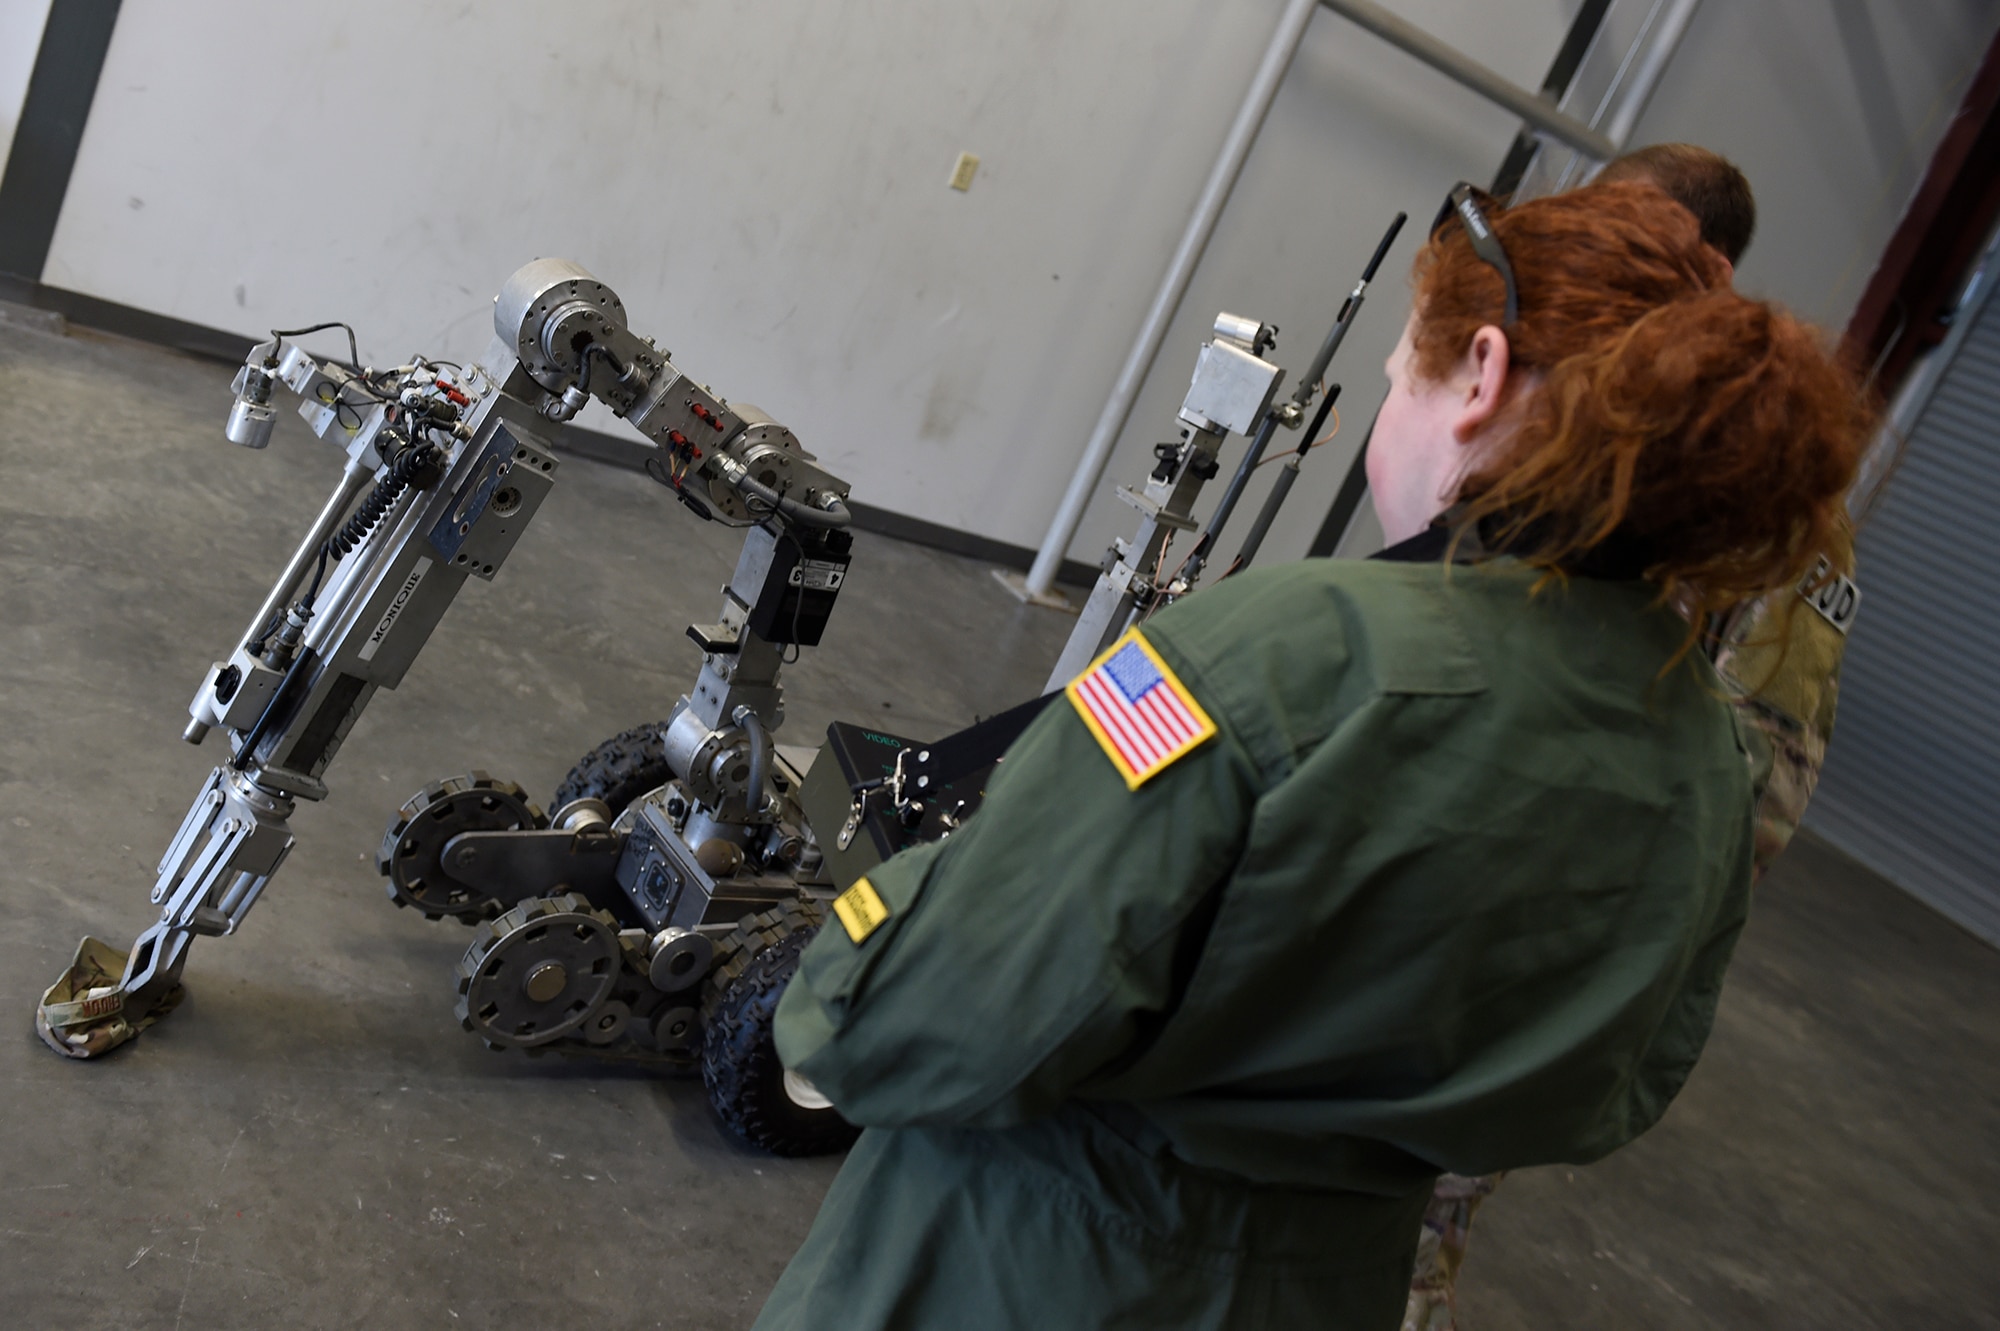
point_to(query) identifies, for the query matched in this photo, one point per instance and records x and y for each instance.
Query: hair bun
(1714, 433)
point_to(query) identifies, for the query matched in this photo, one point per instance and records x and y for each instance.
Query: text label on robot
(403, 595)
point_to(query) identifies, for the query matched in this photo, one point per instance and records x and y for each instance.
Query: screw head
(545, 981)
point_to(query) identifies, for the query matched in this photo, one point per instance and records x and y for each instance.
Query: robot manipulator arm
(400, 429)
(391, 564)
(566, 331)
(383, 560)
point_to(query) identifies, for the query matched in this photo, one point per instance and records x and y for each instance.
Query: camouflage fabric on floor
(83, 1015)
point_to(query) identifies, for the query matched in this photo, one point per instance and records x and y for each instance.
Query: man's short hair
(1707, 184)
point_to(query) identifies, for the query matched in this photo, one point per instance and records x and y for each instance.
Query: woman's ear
(1482, 379)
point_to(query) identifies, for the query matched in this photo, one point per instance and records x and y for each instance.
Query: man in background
(1704, 183)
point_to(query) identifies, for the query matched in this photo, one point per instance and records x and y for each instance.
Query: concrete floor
(312, 1142)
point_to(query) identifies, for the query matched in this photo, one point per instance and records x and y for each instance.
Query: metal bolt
(545, 981)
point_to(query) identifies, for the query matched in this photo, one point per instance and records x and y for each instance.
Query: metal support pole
(1659, 44)
(1622, 101)
(1125, 391)
(1406, 36)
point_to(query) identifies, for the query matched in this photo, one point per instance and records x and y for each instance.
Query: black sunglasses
(1464, 202)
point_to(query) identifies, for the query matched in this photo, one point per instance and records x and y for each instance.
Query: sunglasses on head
(1464, 203)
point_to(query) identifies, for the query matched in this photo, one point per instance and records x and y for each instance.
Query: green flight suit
(1782, 671)
(1452, 888)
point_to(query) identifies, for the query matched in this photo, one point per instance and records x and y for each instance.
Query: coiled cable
(403, 469)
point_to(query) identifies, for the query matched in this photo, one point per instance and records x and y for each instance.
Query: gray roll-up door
(1912, 779)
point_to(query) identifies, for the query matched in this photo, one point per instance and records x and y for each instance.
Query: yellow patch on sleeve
(861, 910)
(1142, 715)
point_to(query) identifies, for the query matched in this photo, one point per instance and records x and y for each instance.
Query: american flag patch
(1141, 714)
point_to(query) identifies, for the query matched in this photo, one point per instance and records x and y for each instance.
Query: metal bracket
(716, 638)
(1153, 509)
(512, 866)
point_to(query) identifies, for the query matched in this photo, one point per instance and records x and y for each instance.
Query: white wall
(1833, 110)
(764, 183)
(21, 23)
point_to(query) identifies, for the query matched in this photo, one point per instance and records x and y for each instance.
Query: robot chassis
(657, 914)
(593, 925)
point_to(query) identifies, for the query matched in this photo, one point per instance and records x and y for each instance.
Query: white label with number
(817, 575)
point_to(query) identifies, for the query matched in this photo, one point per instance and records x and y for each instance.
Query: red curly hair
(1708, 438)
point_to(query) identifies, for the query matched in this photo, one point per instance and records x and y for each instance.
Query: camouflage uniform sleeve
(1781, 662)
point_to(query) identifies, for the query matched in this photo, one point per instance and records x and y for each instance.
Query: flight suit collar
(1619, 558)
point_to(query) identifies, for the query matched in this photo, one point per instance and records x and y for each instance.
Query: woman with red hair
(1337, 876)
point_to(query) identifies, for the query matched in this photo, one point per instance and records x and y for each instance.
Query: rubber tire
(619, 770)
(739, 1061)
